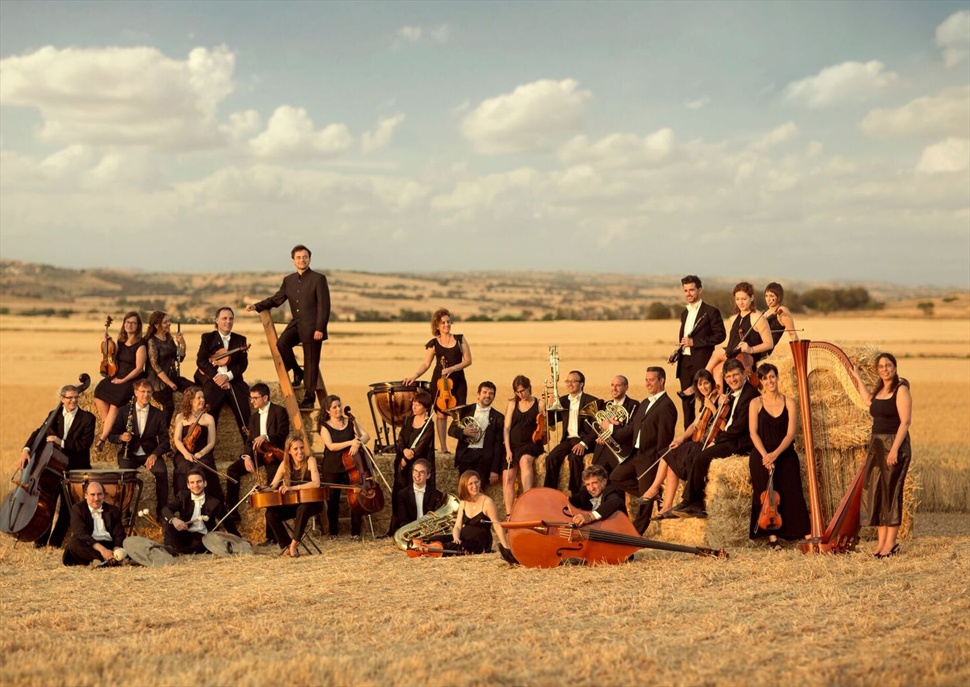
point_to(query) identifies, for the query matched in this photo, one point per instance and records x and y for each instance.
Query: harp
(823, 376)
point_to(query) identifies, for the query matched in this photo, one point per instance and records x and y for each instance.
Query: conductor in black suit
(598, 496)
(578, 437)
(96, 528)
(603, 454)
(701, 330)
(651, 429)
(72, 429)
(309, 298)
(147, 442)
(225, 376)
(191, 515)
(418, 500)
(485, 452)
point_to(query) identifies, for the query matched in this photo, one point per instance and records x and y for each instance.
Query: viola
(109, 364)
(704, 421)
(190, 440)
(540, 431)
(269, 453)
(28, 510)
(418, 548)
(542, 534)
(444, 399)
(769, 518)
(223, 357)
(367, 498)
(718, 421)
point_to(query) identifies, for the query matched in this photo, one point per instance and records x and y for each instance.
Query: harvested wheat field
(364, 613)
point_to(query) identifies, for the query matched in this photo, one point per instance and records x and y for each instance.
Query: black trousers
(76, 553)
(180, 474)
(159, 471)
(333, 505)
(287, 341)
(217, 397)
(625, 477)
(687, 372)
(301, 514)
(237, 470)
(477, 460)
(184, 542)
(700, 465)
(554, 460)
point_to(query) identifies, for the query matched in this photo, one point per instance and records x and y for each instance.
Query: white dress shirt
(692, 310)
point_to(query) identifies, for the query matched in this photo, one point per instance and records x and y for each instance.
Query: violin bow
(753, 325)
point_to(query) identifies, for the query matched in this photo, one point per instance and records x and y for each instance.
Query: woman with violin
(415, 440)
(115, 390)
(165, 351)
(749, 336)
(450, 355)
(525, 430)
(339, 434)
(195, 442)
(295, 473)
(778, 508)
(477, 517)
(777, 316)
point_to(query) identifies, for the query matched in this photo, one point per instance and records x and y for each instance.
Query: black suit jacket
(604, 456)
(182, 507)
(494, 444)
(708, 333)
(586, 433)
(153, 440)
(407, 507)
(77, 444)
(309, 297)
(82, 524)
(277, 425)
(613, 501)
(656, 428)
(739, 433)
(212, 342)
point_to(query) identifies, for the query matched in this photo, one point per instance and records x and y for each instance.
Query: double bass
(28, 510)
(367, 497)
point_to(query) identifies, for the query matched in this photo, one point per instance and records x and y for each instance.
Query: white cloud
(381, 135)
(122, 96)
(411, 34)
(414, 34)
(441, 33)
(620, 150)
(776, 136)
(945, 114)
(534, 117)
(241, 125)
(953, 36)
(698, 103)
(290, 134)
(846, 82)
(951, 155)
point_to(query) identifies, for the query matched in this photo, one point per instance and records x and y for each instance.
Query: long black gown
(795, 523)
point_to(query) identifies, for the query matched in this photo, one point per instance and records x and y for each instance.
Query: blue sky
(805, 140)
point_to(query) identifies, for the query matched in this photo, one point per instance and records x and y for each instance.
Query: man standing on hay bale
(701, 329)
(734, 438)
(190, 516)
(96, 530)
(577, 436)
(481, 447)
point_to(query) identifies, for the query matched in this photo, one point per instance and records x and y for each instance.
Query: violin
(223, 357)
(28, 510)
(769, 518)
(704, 421)
(193, 435)
(540, 431)
(418, 548)
(367, 498)
(542, 534)
(269, 453)
(109, 364)
(445, 400)
(718, 421)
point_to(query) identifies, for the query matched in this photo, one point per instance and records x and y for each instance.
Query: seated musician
(190, 516)
(72, 429)
(195, 428)
(416, 440)
(477, 517)
(598, 496)
(295, 473)
(602, 455)
(420, 499)
(339, 434)
(578, 437)
(734, 438)
(96, 529)
(480, 447)
(269, 424)
(222, 382)
(146, 442)
(749, 333)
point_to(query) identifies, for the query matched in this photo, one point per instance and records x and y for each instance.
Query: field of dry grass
(364, 613)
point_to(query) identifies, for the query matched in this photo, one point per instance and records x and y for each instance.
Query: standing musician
(701, 329)
(415, 440)
(480, 447)
(196, 426)
(339, 434)
(734, 438)
(72, 429)
(184, 523)
(598, 496)
(450, 354)
(602, 455)
(309, 297)
(749, 332)
(650, 429)
(522, 421)
(577, 435)
(225, 377)
(164, 351)
(96, 529)
(144, 434)
(420, 499)
(268, 426)
(296, 473)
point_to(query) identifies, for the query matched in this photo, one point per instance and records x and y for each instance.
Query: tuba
(440, 521)
(613, 411)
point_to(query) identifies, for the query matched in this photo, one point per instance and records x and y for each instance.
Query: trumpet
(466, 423)
(552, 404)
(615, 412)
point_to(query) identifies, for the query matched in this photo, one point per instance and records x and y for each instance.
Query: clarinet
(178, 352)
(129, 425)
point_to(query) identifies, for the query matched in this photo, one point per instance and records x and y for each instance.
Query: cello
(28, 510)
(367, 497)
(542, 534)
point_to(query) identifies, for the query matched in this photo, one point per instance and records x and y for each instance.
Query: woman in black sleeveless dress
(163, 350)
(193, 401)
(777, 315)
(339, 435)
(477, 517)
(771, 419)
(298, 471)
(521, 450)
(742, 336)
(114, 392)
(891, 407)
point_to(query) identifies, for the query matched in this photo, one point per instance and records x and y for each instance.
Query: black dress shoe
(297, 378)
(306, 405)
(690, 511)
(666, 515)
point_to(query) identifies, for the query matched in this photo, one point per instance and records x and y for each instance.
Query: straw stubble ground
(364, 614)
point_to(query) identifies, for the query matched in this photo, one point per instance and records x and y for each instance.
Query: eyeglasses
(420, 472)
(69, 398)
(572, 381)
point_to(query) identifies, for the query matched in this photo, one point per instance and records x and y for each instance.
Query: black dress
(882, 487)
(795, 523)
(476, 535)
(161, 358)
(741, 327)
(332, 470)
(777, 328)
(452, 357)
(521, 429)
(182, 467)
(119, 394)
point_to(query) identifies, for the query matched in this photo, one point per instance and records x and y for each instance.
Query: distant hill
(28, 288)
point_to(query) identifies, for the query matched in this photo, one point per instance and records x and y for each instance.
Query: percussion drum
(122, 488)
(392, 401)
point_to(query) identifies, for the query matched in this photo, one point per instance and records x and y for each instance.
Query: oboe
(129, 425)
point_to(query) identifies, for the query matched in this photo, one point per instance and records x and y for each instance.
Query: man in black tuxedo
(191, 515)
(577, 435)
(603, 454)
(481, 451)
(96, 529)
(735, 438)
(701, 330)
(418, 500)
(598, 496)
(650, 430)
(269, 425)
(147, 442)
(72, 429)
(309, 298)
(225, 377)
